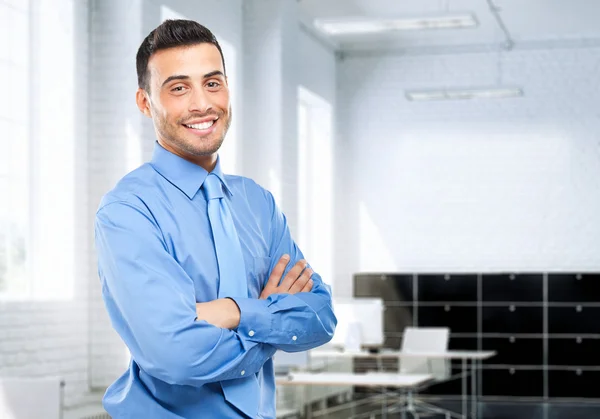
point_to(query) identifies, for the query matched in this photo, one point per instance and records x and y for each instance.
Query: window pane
(15, 117)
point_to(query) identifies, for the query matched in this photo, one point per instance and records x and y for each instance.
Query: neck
(208, 162)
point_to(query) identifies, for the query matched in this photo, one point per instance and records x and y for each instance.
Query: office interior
(438, 162)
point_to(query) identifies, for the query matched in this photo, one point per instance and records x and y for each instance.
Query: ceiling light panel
(464, 94)
(353, 26)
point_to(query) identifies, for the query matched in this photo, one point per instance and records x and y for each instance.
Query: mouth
(202, 128)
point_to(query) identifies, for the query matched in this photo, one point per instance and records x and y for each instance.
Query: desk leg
(403, 395)
(464, 387)
(473, 389)
(307, 408)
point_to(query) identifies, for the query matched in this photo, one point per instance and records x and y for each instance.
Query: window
(37, 148)
(14, 148)
(315, 182)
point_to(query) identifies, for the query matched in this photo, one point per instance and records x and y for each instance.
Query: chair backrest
(425, 339)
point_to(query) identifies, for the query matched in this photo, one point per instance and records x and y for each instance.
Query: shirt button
(294, 338)
(251, 333)
(243, 372)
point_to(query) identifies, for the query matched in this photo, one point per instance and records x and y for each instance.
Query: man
(201, 325)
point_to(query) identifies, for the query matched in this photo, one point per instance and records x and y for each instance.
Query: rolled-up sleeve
(151, 303)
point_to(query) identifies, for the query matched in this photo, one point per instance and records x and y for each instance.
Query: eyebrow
(184, 77)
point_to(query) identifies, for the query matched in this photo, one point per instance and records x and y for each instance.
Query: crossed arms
(151, 303)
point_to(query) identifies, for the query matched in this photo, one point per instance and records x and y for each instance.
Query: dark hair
(169, 34)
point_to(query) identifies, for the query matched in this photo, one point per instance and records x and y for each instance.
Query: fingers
(277, 273)
(292, 275)
(308, 286)
(301, 282)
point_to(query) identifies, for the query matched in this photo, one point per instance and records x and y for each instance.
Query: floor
(509, 409)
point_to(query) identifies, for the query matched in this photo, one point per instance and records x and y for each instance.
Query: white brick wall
(116, 146)
(474, 185)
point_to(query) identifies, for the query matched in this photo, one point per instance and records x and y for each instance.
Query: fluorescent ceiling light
(365, 25)
(463, 94)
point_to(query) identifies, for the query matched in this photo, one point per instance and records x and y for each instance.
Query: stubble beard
(199, 147)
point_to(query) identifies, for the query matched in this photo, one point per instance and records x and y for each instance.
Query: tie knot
(212, 187)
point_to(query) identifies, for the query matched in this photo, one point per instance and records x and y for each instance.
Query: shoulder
(133, 189)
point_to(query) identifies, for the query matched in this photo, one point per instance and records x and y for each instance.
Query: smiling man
(200, 275)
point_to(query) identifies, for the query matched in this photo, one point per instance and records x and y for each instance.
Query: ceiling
(527, 22)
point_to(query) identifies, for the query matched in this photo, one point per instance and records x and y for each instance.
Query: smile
(202, 126)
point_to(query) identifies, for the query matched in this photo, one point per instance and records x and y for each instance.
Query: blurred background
(441, 157)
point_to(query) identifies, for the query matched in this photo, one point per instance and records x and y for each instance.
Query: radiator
(88, 411)
(100, 415)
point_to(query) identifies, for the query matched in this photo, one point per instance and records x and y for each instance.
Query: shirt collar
(183, 174)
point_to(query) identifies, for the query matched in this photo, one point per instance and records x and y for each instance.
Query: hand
(296, 280)
(223, 313)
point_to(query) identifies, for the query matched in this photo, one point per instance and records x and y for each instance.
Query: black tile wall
(575, 351)
(510, 319)
(581, 288)
(447, 288)
(463, 343)
(513, 287)
(514, 350)
(574, 384)
(394, 288)
(574, 320)
(397, 317)
(543, 326)
(511, 382)
(458, 319)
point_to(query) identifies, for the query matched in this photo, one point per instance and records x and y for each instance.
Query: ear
(143, 102)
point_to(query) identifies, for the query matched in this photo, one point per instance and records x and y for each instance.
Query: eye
(213, 85)
(178, 89)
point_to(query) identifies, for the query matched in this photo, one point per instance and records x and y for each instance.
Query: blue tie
(243, 393)
(232, 271)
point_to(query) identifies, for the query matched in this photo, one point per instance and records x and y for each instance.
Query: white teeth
(204, 125)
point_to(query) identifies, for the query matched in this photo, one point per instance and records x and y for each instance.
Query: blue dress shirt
(156, 260)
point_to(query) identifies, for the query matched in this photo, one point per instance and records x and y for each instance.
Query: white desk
(474, 356)
(369, 379)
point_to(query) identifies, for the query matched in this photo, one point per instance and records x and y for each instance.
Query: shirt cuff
(255, 319)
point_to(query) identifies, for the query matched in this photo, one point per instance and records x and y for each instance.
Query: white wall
(497, 185)
(318, 66)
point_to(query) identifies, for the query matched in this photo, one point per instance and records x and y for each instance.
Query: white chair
(426, 339)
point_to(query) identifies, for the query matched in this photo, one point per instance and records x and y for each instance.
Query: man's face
(188, 100)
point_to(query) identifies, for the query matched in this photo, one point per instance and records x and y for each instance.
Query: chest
(187, 233)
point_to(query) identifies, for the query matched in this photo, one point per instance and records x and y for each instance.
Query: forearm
(196, 353)
(288, 322)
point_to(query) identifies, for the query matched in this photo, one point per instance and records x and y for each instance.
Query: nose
(200, 102)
